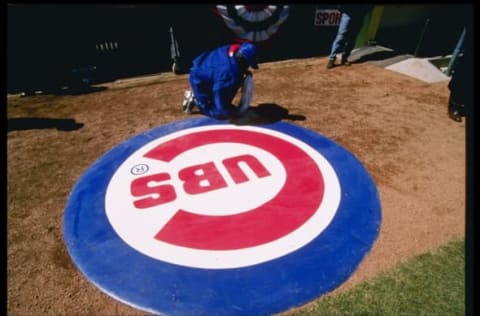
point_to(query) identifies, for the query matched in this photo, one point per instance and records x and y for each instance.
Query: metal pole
(173, 46)
(421, 37)
(456, 52)
(175, 53)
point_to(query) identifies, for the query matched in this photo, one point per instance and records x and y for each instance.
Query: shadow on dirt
(266, 113)
(379, 55)
(75, 90)
(80, 90)
(26, 123)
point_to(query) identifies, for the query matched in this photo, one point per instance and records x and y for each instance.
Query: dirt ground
(397, 126)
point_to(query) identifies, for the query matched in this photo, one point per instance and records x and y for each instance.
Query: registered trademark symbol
(139, 169)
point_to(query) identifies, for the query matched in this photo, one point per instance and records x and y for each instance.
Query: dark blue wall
(46, 42)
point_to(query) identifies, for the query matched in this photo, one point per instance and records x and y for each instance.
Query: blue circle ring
(263, 289)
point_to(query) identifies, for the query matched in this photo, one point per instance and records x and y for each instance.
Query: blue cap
(249, 52)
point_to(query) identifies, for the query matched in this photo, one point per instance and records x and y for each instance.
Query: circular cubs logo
(205, 217)
(222, 196)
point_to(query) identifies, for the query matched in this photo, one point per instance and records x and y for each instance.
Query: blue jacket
(215, 79)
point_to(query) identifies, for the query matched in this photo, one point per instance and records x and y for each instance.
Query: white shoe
(188, 101)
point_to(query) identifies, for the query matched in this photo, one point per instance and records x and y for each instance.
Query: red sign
(327, 17)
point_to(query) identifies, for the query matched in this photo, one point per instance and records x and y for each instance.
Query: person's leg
(349, 44)
(221, 108)
(338, 43)
(201, 92)
(354, 26)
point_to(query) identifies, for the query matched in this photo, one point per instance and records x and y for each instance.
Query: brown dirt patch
(395, 125)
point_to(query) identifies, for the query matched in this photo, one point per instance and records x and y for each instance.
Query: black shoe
(345, 61)
(331, 64)
(456, 110)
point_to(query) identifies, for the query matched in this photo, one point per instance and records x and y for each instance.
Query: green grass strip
(429, 284)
